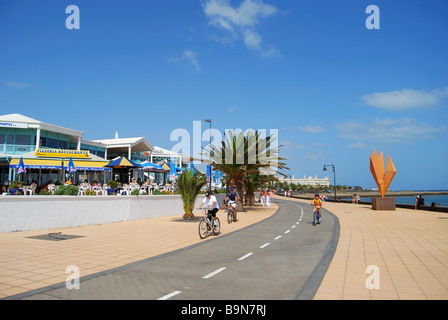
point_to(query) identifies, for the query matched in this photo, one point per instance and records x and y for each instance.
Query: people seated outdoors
(355, 199)
(419, 201)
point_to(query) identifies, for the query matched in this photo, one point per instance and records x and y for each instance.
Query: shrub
(135, 192)
(189, 186)
(68, 190)
(113, 184)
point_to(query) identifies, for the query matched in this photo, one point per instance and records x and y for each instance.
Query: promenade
(406, 251)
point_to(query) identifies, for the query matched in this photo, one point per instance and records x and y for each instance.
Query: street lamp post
(334, 177)
(210, 122)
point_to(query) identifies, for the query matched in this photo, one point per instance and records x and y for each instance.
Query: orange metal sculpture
(377, 168)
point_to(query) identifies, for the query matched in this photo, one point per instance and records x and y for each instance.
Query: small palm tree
(190, 184)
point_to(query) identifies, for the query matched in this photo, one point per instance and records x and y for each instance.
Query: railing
(15, 149)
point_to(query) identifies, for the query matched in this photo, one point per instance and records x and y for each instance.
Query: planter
(14, 191)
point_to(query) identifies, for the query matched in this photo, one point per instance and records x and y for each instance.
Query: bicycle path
(283, 257)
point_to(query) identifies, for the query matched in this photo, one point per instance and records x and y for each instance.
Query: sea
(440, 199)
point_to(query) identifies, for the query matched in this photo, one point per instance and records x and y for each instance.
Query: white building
(160, 156)
(310, 181)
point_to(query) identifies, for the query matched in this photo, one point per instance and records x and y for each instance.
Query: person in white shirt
(211, 203)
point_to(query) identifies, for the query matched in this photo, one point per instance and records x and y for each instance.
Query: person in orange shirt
(317, 203)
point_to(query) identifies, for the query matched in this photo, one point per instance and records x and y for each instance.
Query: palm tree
(241, 154)
(252, 182)
(190, 184)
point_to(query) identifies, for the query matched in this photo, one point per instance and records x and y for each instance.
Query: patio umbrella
(123, 162)
(71, 166)
(173, 173)
(151, 167)
(21, 168)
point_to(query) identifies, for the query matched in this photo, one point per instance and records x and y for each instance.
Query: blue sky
(335, 90)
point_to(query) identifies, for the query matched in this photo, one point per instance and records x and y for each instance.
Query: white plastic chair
(30, 189)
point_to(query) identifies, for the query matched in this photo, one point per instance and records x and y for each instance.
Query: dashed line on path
(287, 231)
(245, 256)
(265, 245)
(169, 295)
(214, 273)
(278, 237)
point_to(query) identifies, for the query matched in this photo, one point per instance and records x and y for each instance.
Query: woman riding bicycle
(317, 203)
(211, 203)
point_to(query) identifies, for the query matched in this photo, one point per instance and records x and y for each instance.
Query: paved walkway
(28, 264)
(407, 252)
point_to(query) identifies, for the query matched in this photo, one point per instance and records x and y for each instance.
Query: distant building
(310, 181)
(160, 156)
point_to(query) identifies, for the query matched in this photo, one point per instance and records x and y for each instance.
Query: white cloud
(387, 131)
(192, 57)
(17, 85)
(405, 99)
(311, 129)
(241, 22)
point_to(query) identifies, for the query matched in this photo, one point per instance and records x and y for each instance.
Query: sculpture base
(383, 204)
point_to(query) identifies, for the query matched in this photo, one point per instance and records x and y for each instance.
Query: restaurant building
(46, 150)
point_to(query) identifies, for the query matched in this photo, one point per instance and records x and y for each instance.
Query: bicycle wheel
(234, 217)
(203, 229)
(229, 215)
(316, 218)
(217, 227)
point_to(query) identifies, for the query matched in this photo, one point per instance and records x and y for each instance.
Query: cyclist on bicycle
(317, 203)
(233, 196)
(212, 205)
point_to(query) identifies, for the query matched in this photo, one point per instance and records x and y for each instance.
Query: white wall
(21, 213)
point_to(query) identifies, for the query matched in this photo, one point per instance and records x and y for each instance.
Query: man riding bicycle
(317, 203)
(212, 205)
(232, 196)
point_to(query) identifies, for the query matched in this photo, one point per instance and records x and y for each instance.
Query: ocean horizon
(442, 200)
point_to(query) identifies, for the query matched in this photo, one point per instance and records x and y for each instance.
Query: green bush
(113, 184)
(157, 192)
(134, 192)
(68, 190)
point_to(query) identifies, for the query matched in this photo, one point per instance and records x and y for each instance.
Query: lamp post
(210, 122)
(334, 177)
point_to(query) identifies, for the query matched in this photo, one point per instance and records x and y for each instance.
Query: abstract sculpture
(382, 180)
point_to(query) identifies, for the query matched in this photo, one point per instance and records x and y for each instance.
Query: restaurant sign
(62, 153)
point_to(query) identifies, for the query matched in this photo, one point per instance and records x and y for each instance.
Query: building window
(22, 139)
(52, 143)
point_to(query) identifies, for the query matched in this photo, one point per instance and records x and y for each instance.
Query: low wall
(397, 205)
(21, 213)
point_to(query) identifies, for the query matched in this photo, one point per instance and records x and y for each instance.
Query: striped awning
(58, 163)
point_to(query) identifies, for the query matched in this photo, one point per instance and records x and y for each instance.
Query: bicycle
(317, 219)
(206, 226)
(230, 216)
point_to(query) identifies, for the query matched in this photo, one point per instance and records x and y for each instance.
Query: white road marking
(170, 295)
(265, 245)
(214, 273)
(245, 256)
(278, 237)
(287, 231)
(292, 227)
